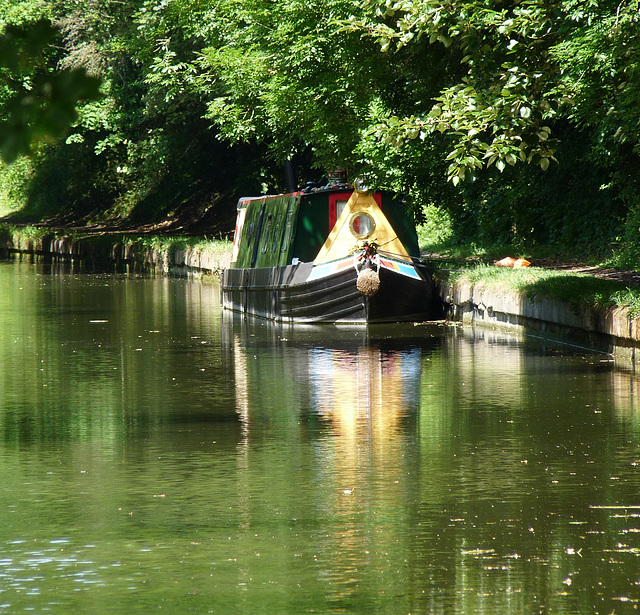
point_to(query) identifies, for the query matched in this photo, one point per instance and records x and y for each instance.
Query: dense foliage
(36, 101)
(519, 118)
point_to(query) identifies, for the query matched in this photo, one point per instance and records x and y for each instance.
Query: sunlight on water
(159, 456)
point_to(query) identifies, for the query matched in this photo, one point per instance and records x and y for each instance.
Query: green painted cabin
(277, 229)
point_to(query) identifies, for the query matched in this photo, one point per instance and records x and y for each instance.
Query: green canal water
(159, 457)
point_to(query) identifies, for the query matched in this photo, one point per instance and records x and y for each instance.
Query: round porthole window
(362, 225)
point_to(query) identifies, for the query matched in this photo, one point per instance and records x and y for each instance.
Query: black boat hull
(292, 294)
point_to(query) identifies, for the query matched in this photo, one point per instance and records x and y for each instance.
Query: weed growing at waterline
(573, 288)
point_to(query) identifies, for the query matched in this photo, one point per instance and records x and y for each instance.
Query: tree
(38, 102)
(499, 108)
(291, 77)
(143, 150)
(202, 96)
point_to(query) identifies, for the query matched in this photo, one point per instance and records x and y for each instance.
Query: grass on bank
(577, 289)
(217, 251)
(202, 245)
(471, 264)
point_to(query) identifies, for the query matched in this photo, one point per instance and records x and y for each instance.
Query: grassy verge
(215, 250)
(210, 247)
(436, 236)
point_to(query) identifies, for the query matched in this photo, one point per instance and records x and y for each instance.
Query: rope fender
(367, 264)
(368, 282)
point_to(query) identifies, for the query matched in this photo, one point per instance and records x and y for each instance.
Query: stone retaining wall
(610, 330)
(100, 251)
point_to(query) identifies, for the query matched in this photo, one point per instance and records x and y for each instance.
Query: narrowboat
(332, 254)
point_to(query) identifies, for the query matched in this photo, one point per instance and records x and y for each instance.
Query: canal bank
(613, 330)
(119, 252)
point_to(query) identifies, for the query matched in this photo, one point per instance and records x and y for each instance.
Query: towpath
(628, 277)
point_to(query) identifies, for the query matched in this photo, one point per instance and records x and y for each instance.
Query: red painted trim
(332, 212)
(334, 197)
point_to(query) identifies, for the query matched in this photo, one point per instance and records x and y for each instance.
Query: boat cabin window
(337, 203)
(362, 225)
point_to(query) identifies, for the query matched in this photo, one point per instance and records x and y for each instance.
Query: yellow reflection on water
(365, 396)
(361, 394)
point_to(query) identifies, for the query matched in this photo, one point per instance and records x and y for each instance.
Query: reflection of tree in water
(506, 503)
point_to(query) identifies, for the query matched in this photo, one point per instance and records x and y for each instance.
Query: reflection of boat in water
(328, 255)
(366, 393)
(341, 404)
(358, 379)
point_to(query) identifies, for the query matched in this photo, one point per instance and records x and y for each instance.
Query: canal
(158, 456)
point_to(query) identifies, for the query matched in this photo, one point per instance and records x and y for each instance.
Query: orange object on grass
(509, 261)
(521, 262)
